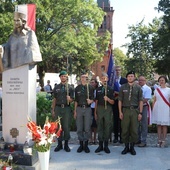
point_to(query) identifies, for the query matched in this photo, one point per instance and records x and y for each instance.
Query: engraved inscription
(15, 86)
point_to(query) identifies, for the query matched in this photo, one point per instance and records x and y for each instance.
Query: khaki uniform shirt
(81, 94)
(100, 93)
(130, 96)
(60, 92)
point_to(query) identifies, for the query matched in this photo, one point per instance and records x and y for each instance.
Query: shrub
(44, 102)
(43, 108)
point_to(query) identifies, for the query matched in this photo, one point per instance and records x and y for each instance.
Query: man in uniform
(84, 96)
(63, 96)
(104, 113)
(130, 112)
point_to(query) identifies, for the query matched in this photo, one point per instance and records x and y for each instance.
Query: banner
(29, 10)
(111, 71)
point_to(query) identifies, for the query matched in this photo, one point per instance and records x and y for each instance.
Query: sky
(130, 12)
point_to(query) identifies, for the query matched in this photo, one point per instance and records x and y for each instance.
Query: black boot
(132, 150)
(100, 147)
(106, 149)
(126, 149)
(86, 148)
(66, 147)
(59, 146)
(80, 149)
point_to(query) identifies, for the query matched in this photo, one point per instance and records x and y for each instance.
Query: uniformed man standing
(104, 113)
(130, 112)
(63, 96)
(84, 96)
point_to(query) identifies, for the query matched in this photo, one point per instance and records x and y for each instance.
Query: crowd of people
(126, 110)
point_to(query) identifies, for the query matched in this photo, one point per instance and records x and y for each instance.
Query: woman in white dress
(161, 110)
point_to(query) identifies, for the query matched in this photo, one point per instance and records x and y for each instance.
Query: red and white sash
(164, 99)
(149, 113)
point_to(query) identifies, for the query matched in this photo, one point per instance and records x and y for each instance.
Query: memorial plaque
(14, 132)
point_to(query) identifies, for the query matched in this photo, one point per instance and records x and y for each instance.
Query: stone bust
(22, 46)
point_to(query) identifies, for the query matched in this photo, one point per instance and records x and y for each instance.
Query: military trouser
(83, 122)
(104, 122)
(129, 125)
(65, 114)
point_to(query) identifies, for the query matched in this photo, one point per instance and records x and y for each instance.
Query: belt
(83, 106)
(62, 105)
(130, 107)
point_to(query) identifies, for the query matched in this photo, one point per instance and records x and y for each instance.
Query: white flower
(50, 139)
(29, 136)
(43, 139)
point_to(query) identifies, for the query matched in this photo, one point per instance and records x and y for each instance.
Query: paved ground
(148, 158)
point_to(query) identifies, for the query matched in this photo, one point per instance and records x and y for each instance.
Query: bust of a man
(22, 47)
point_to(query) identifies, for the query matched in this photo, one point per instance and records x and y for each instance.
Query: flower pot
(44, 159)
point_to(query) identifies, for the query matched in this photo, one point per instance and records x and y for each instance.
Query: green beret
(63, 73)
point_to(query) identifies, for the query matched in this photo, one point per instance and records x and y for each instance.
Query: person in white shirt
(48, 87)
(143, 128)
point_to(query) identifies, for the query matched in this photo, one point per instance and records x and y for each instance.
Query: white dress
(161, 111)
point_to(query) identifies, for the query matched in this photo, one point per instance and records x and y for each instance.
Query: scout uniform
(63, 110)
(130, 96)
(84, 115)
(104, 115)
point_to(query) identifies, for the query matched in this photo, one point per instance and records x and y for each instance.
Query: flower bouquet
(43, 137)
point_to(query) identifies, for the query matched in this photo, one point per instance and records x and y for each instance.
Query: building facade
(101, 66)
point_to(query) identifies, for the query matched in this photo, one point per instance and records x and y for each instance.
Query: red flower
(31, 126)
(46, 128)
(53, 127)
(43, 137)
(59, 132)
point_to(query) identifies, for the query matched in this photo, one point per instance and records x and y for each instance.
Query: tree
(161, 42)
(141, 58)
(120, 59)
(66, 30)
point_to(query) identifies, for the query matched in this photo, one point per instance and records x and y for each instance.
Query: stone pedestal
(19, 101)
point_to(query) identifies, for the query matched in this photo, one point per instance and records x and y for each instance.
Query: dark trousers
(116, 121)
(65, 114)
(104, 120)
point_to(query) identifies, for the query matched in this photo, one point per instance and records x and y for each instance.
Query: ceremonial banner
(29, 10)
(111, 71)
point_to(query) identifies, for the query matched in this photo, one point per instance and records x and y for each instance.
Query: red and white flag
(29, 10)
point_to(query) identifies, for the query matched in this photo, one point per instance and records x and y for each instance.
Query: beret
(130, 72)
(63, 73)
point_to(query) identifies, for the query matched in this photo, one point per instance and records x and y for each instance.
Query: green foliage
(43, 108)
(140, 49)
(120, 59)
(65, 29)
(161, 42)
(149, 49)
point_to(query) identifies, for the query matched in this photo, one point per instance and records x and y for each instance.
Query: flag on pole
(111, 71)
(29, 10)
